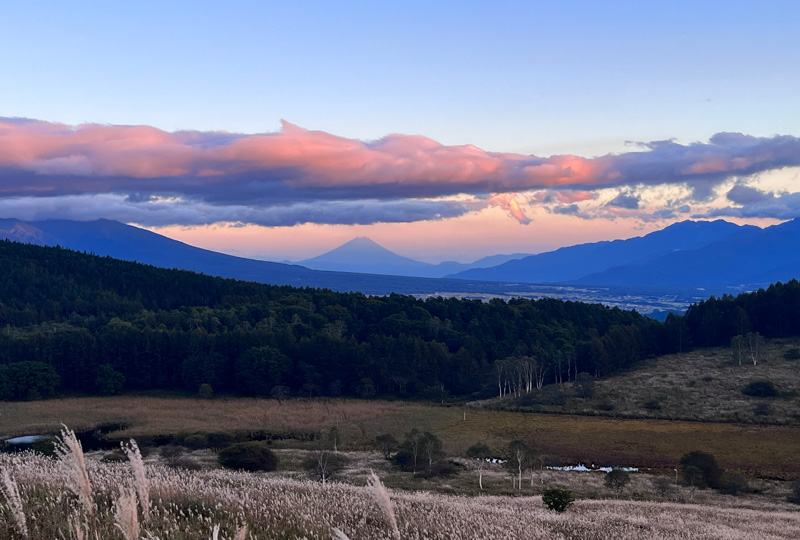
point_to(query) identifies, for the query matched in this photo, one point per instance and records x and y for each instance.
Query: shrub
(557, 499)
(763, 409)
(760, 389)
(45, 446)
(108, 380)
(554, 396)
(794, 497)
(663, 485)
(170, 451)
(183, 462)
(605, 405)
(616, 479)
(116, 456)
(440, 469)
(792, 354)
(218, 440)
(324, 464)
(249, 456)
(733, 484)
(710, 473)
(584, 385)
(652, 405)
(196, 441)
(386, 443)
(205, 391)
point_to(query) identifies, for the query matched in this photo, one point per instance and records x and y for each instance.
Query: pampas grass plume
(14, 502)
(126, 517)
(384, 501)
(142, 486)
(71, 453)
(337, 534)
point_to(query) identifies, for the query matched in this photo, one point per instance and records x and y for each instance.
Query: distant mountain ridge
(574, 263)
(362, 254)
(114, 239)
(756, 257)
(684, 255)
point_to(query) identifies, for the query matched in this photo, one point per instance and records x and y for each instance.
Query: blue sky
(541, 78)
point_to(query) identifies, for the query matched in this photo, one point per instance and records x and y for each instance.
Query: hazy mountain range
(689, 254)
(362, 254)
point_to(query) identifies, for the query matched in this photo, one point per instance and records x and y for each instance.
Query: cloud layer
(296, 175)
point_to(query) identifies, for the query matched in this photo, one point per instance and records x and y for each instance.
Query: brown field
(767, 451)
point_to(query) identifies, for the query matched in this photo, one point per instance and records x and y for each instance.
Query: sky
(442, 130)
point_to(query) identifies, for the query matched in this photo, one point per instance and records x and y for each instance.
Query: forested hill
(105, 325)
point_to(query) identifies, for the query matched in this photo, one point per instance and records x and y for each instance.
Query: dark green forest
(73, 322)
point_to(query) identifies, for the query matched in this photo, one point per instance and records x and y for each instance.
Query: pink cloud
(297, 165)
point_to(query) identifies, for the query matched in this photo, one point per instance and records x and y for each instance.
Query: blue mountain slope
(114, 239)
(759, 257)
(574, 262)
(364, 255)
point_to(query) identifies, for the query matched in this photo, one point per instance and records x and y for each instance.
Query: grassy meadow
(701, 407)
(217, 504)
(758, 450)
(699, 385)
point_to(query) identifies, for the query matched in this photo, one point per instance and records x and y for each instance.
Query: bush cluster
(557, 499)
(249, 456)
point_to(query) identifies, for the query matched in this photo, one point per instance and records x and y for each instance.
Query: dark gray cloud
(627, 201)
(741, 194)
(157, 213)
(755, 203)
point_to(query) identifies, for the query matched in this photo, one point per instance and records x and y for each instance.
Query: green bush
(733, 484)
(108, 380)
(218, 440)
(28, 381)
(701, 469)
(249, 456)
(195, 441)
(45, 446)
(205, 391)
(760, 389)
(557, 499)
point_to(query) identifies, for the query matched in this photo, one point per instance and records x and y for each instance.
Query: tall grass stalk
(384, 501)
(142, 486)
(70, 451)
(14, 502)
(337, 534)
(126, 518)
(241, 533)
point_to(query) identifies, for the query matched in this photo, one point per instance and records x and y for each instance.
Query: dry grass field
(657, 444)
(184, 505)
(703, 384)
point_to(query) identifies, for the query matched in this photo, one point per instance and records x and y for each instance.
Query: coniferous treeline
(104, 325)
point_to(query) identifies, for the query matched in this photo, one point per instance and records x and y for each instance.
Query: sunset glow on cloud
(157, 178)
